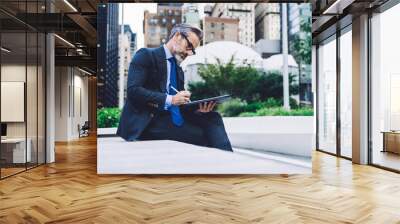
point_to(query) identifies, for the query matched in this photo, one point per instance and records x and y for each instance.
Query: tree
(302, 42)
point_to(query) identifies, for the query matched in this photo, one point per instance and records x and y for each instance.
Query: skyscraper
(190, 14)
(157, 26)
(242, 11)
(219, 29)
(107, 55)
(127, 47)
(297, 13)
(268, 29)
(267, 21)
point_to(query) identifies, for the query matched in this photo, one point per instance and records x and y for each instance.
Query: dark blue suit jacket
(146, 91)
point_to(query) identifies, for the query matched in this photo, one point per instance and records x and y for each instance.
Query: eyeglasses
(189, 44)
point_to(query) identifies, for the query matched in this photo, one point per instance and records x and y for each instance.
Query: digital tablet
(217, 99)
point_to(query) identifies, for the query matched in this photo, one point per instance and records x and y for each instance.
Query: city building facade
(190, 14)
(127, 47)
(107, 56)
(242, 11)
(217, 29)
(267, 29)
(157, 26)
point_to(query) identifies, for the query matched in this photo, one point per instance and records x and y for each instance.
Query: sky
(133, 15)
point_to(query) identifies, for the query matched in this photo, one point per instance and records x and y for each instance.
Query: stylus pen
(176, 90)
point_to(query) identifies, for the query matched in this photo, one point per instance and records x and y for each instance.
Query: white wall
(61, 103)
(71, 94)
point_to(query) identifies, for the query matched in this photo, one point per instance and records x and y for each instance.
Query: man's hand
(206, 107)
(181, 97)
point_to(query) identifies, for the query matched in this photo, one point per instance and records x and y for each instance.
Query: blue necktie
(176, 116)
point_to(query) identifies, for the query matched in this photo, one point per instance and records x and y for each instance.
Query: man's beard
(179, 55)
(178, 58)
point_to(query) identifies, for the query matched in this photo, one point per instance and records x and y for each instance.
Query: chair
(84, 130)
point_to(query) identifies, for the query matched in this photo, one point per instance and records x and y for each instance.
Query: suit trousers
(203, 129)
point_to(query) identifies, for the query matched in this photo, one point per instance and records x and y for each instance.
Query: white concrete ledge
(116, 156)
(292, 135)
(106, 131)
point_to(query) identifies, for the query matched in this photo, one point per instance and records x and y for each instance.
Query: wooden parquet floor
(70, 191)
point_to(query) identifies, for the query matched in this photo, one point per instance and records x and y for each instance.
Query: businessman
(155, 95)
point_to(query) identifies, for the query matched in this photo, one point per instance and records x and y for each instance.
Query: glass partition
(22, 77)
(13, 105)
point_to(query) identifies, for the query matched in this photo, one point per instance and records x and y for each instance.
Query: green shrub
(252, 107)
(243, 82)
(108, 117)
(270, 107)
(279, 111)
(232, 108)
(293, 103)
(272, 102)
(304, 111)
(248, 114)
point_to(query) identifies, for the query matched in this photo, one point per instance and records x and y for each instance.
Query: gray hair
(185, 29)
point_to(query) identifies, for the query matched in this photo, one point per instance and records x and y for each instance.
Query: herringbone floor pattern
(70, 191)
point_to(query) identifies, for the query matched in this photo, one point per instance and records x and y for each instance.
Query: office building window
(385, 89)
(327, 97)
(346, 94)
